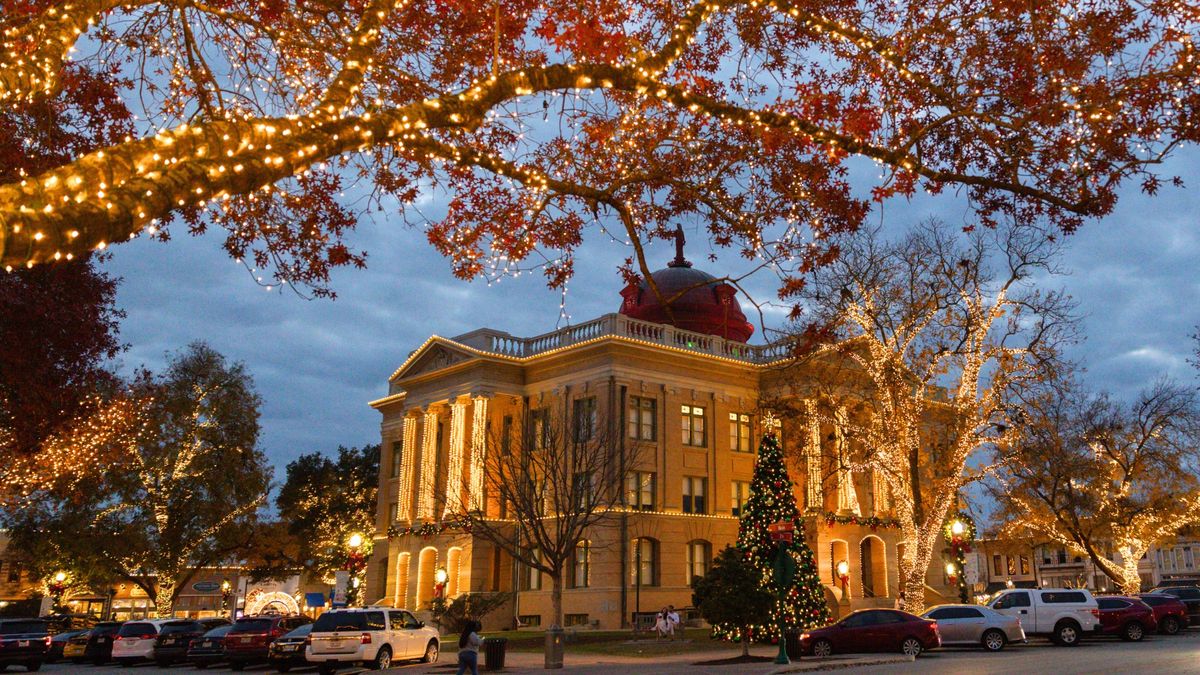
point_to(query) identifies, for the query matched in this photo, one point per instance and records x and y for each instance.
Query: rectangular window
(539, 428)
(693, 494)
(531, 577)
(397, 455)
(639, 490)
(575, 620)
(739, 433)
(1024, 565)
(496, 553)
(643, 418)
(585, 419)
(393, 512)
(581, 485)
(998, 565)
(699, 555)
(645, 562)
(506, 429)
(741, 494)
(1012, 565)
(529, 620)
(693, 425)
(582, 563)
(1187, 556)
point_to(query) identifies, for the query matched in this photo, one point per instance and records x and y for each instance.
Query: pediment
(431, 358)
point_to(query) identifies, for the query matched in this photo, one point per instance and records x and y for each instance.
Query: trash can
(493, 653)
(791, 637)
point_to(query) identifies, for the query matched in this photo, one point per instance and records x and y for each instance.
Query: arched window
(699, 558)
(644, 562)
(581, 563)
(873, 567)
(426, 564)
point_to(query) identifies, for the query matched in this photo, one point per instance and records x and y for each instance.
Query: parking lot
(1156, 654)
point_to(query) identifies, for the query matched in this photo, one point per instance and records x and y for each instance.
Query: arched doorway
(453, 558)
(426, 565)
(400, 595)
(873, 568)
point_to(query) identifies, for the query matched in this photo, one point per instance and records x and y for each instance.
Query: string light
(454, 468)
(425, 496)
(407, 464)
(478, 452)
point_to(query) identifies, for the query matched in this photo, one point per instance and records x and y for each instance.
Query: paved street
(1179, 654)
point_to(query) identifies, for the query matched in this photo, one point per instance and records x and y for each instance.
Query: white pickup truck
(1063, 614)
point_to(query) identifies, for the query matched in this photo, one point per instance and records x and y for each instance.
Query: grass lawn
(618, 643)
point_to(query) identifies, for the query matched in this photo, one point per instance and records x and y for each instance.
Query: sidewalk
(691, 663)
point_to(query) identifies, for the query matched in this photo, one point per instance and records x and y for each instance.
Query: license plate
(169, 641)
(246, 640)
(288, 648)
(208, 643)
(102, 639)
(22, 643)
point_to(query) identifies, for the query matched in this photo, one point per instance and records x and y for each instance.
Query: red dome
(698, 301)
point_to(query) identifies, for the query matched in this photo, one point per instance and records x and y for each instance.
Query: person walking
(468, 647)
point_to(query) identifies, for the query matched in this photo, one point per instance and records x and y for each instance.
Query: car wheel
(994, 640)
(822, 648)
(911, 647)
(1134, 631)
(1169, 625)
(1066, 634)
(431, 652)
(383, 660)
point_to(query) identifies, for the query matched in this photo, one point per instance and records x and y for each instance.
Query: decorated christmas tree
(802, 605)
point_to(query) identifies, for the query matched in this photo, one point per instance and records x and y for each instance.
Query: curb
(838, 664)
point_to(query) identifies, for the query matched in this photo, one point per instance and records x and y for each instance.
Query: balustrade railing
(498, 342)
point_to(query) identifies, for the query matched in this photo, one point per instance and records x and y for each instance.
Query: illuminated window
(580, 564)
(693, 494)
(699, 559)
(741, 494)
(739, 433)
(644, 559)
(531, 577)
(693, 425)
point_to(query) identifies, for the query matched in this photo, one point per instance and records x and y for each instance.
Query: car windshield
(106, 629)
(21, 627)
(334, 621)
(301, 631)
(179, 627)
(137, 629)
(219, 631)
(252, 626)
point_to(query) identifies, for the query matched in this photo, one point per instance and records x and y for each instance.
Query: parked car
(23, 642)
(288, 651)
(251, 637)
(1169, 611)
(972, 625)
(135, 641)
(58, 643)
(76, 647)
(100, 642)
(1190, 595)
(1127, 617)
(1064, 615)
(873, 630)
(175, 637)
(209, 649)
(371, 636)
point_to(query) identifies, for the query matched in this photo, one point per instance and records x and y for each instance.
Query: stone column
(408, 465)
(847, 496)
(814, 498)
(454, 463)
(478, 452)
(429, 449)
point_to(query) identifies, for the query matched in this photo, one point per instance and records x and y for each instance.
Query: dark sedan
(100, 642)
(1129, 618)
(1190, 595)
(209, 649)
(1169, 611)
(873, 630)
(175, 637)
(23, 642)
(287, 652)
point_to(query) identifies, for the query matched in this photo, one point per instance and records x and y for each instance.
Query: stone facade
(649, 382)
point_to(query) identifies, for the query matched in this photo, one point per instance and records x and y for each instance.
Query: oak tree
(541, 118)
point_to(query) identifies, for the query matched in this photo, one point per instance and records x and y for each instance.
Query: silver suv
(372, 636)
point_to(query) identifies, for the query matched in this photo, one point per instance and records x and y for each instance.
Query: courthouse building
(682, 388)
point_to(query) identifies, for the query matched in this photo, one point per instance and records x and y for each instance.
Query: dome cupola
(694, 300)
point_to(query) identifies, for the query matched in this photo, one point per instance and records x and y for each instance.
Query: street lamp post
(354, 565)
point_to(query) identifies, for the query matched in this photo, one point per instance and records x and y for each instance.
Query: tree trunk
(920, 541)
(164, 598)
(1130, 581)
(556, 601)
(746, 641)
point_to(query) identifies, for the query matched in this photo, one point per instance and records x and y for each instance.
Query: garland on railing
(873, 522)
(426, 530)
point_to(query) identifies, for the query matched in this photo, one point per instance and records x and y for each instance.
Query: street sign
(972, 570)
(206, 586)
(341, 579)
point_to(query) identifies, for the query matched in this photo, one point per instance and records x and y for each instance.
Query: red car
(1128, 617)
(873, 630)
(250, 639)
(1170, 612)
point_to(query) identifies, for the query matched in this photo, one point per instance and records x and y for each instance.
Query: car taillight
(366, 638)
(47, 640)
(1096, 613)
